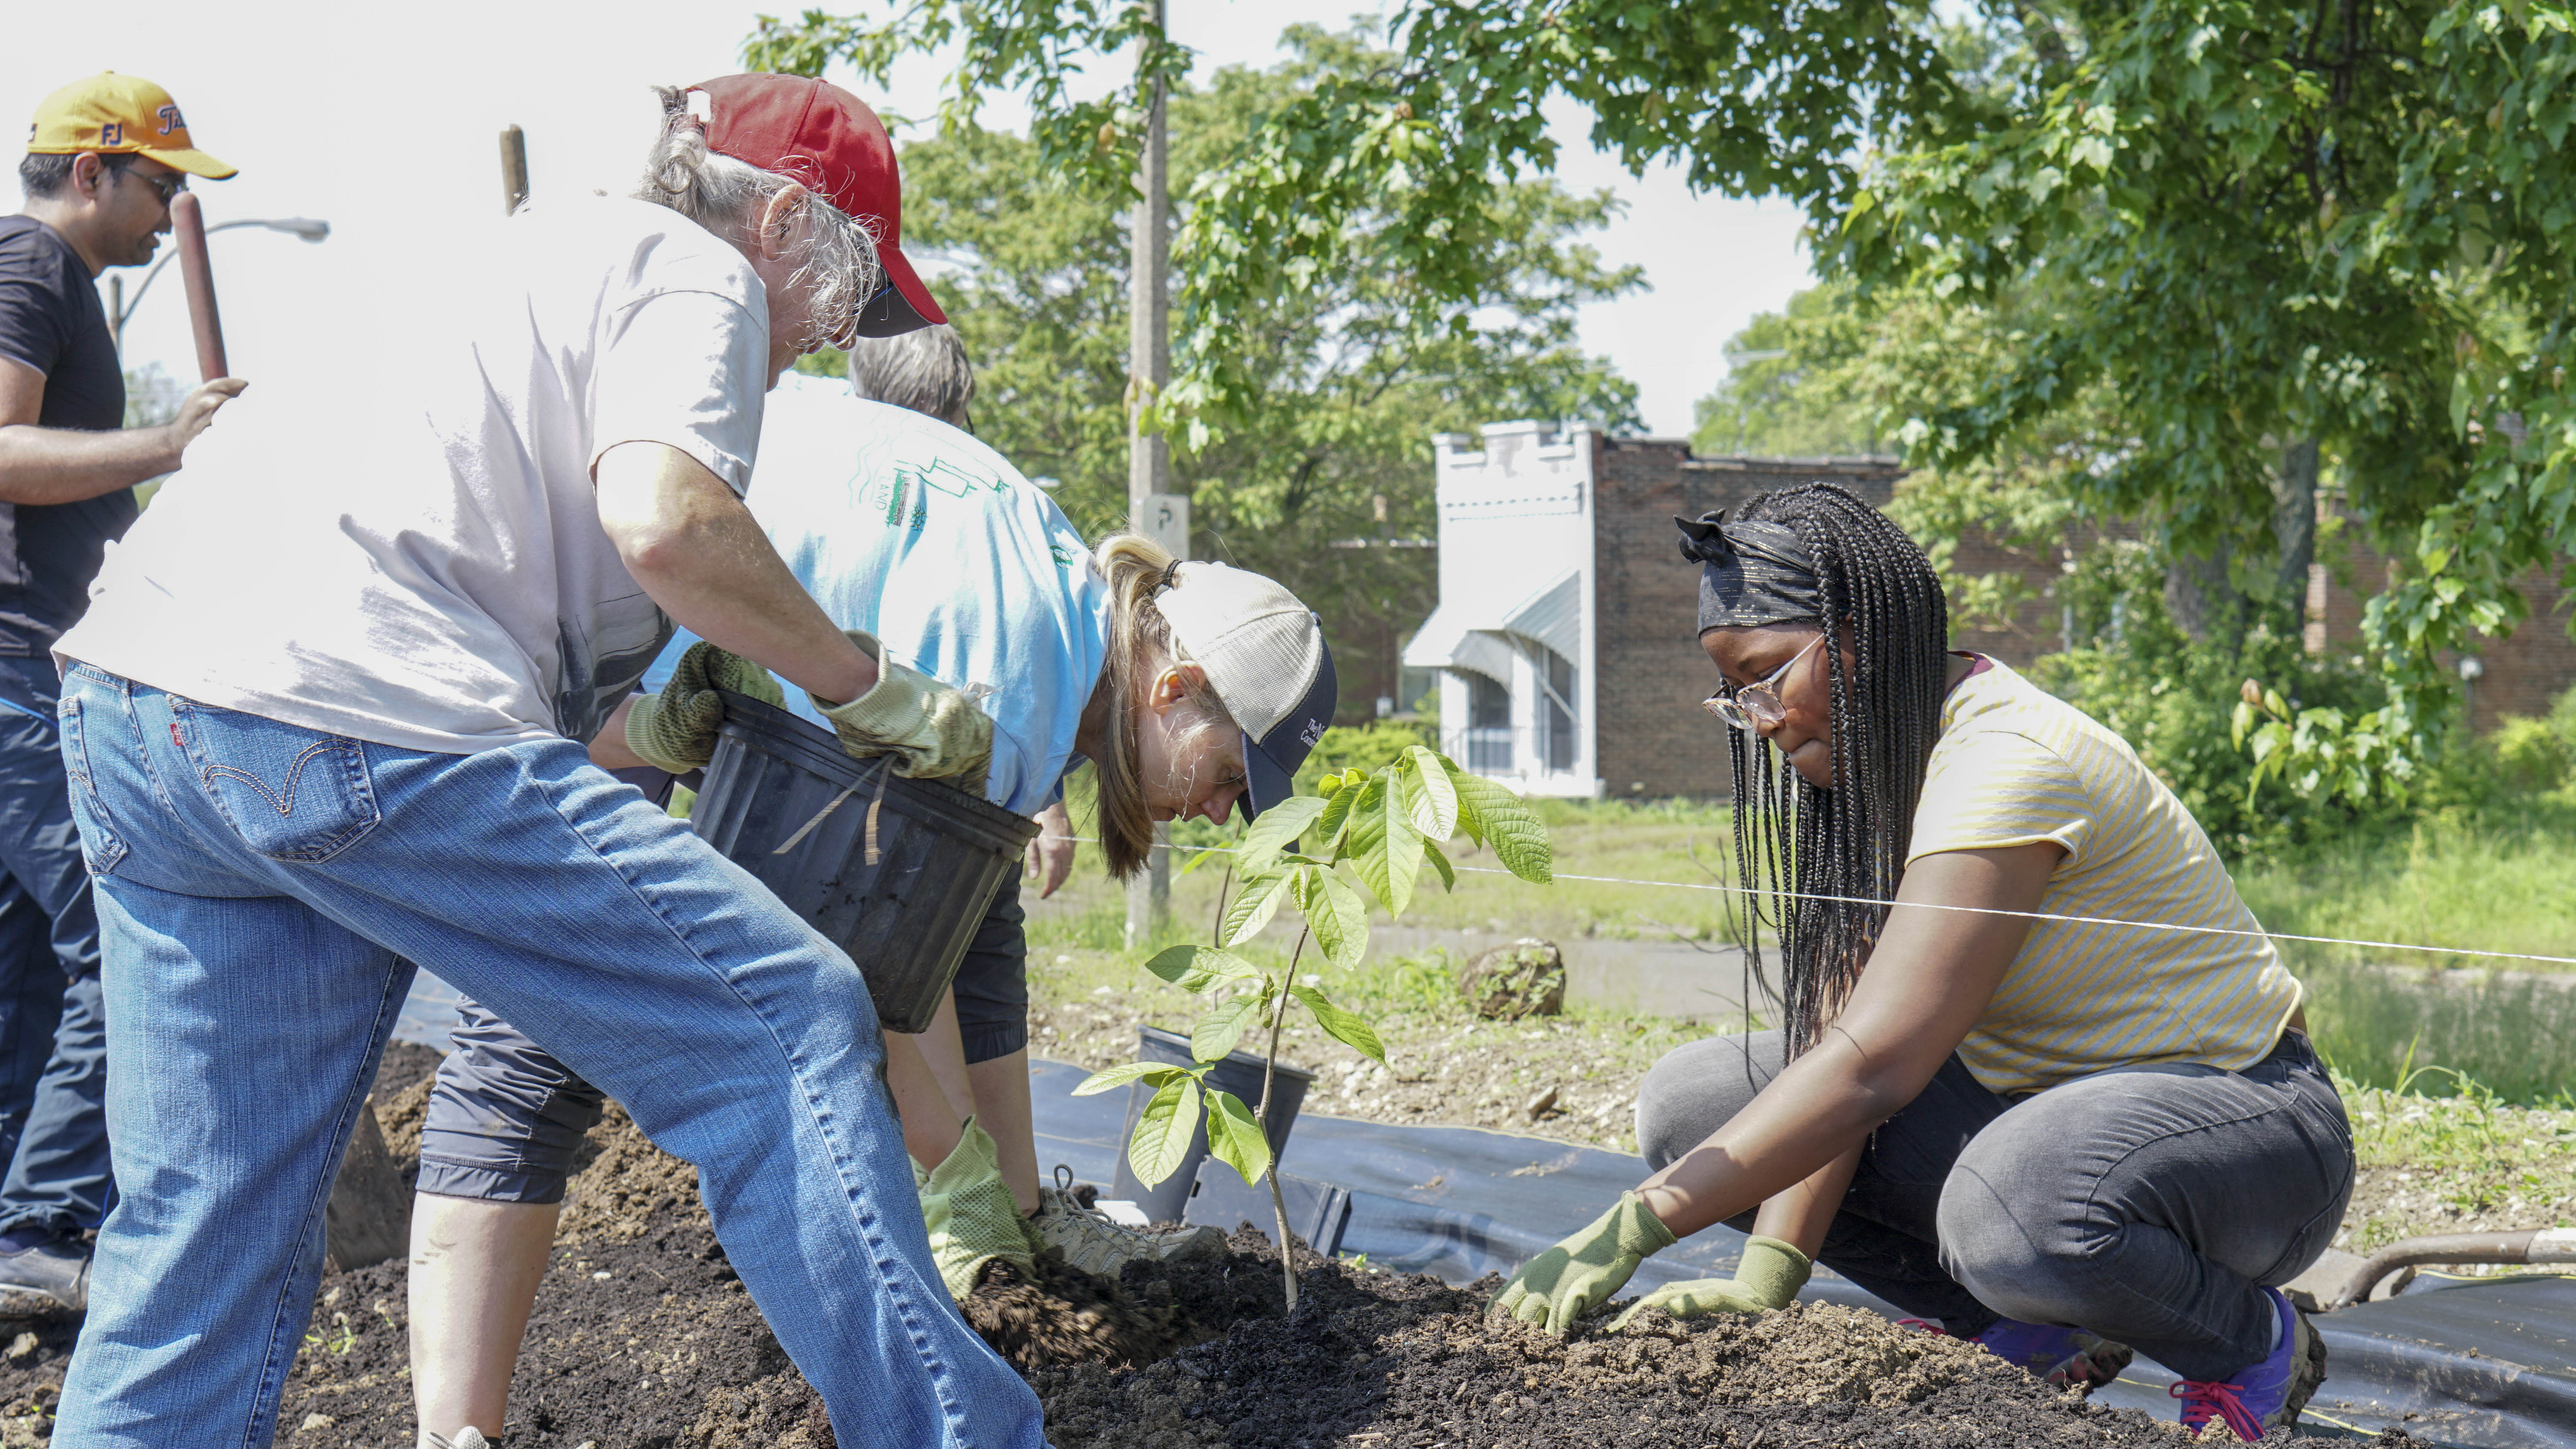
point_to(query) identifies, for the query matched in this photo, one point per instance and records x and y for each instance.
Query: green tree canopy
(2274, 237)
(1326, 472)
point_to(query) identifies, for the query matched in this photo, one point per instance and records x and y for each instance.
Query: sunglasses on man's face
(166, 187)
(1757, 705)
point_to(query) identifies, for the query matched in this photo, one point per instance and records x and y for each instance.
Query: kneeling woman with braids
(1990, 1104)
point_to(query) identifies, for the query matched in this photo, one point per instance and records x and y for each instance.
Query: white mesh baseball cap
(1265, 657)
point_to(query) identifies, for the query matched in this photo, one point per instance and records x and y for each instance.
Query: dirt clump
(1525, 978)
(1385, 1362)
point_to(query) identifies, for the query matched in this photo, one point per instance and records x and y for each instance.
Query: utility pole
(1152, 508)
(514, 168)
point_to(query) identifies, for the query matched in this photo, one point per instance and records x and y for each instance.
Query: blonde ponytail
(1140, 649)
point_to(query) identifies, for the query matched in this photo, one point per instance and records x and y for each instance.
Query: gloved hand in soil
(971, 1214)
(1578, 1275)
(676, 729)
(1769, 1275)
(934, 732)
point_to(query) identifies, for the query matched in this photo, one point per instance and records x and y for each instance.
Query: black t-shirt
(51, 320)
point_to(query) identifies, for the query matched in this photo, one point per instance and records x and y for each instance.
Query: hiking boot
(42, 1271)
(2063, 1358)
(2262, 1395)
(1096, 1245)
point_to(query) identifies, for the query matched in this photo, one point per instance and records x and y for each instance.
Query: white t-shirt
(424, 567)
(908, 528)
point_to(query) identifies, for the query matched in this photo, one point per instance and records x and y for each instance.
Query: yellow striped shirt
(2015, 766)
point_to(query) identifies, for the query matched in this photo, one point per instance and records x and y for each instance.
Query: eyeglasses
(166, 187)
(1756, 705)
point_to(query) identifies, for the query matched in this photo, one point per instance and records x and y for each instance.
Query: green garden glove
(971, 1214)
(1578, 1275)
(1769, 1275)
(676, 729)
(934, 732)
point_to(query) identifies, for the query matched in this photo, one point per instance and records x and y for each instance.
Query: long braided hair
(1795, 842)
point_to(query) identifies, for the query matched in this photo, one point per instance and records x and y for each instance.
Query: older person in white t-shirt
(327, 717)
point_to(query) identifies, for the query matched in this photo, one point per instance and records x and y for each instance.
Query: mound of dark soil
(643, 1338)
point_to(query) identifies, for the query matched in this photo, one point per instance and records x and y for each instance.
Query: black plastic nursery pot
(784, 801)
(1239, 1073)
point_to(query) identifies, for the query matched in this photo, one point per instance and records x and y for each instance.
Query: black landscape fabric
(2482, 1363)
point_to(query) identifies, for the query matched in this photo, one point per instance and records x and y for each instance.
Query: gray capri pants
(505, 1117)
(2143, 1204)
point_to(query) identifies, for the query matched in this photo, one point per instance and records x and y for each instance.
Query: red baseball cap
(827, 140)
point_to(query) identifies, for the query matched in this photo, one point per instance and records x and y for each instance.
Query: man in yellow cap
(104, 160)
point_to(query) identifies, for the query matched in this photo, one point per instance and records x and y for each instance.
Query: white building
(1513, 637)
(1566, 637)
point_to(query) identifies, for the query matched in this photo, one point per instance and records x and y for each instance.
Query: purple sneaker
(2262, 1395)
(2062, 1357)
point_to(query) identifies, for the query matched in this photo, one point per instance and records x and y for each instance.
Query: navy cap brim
(1270, 763)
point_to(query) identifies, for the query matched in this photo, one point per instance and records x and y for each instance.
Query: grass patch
(2442, 1152)
(2488, 880)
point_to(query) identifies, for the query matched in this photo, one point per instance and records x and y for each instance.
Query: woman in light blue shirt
(1187, 687)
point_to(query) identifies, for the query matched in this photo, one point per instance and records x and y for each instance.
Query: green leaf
(1440, 863)
(1471, 815)
(1430, 796)
(1196, 968)
(1163, 1132)
(1519, 841)
(1332, 823)
(1346, 1028)
(1336, 914)
(1234, 1138)
(1157, 1074)
(1392, 859)
(1277, 829)
(1253, 906)
(1218, 1031)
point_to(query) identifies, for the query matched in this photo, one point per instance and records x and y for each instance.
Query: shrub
(1367, 748)
(2174, 700)
(2531, 754)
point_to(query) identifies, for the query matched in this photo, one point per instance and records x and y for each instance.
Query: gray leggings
(2143, 1204)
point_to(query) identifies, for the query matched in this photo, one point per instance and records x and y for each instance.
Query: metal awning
(1482, 637)
(1553, 616)
(1446, 641)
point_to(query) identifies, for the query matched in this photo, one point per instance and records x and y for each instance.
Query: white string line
(1685, 885)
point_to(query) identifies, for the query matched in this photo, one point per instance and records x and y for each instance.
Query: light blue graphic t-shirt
(910, 529)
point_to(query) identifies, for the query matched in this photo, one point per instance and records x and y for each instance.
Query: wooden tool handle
(188, 232)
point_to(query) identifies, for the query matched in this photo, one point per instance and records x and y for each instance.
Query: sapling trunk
(1261, 1118)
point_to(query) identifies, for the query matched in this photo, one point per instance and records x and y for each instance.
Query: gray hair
(726, 196)
(925, 370)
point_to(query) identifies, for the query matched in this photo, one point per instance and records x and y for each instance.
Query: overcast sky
(385, 126)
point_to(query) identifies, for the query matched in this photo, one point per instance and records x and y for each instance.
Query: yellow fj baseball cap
(119, 114)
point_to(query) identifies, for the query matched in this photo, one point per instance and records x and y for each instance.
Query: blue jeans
(53, 1044)
(506, 1119)
(262, 888)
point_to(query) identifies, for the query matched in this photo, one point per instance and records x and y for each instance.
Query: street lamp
(118, 309)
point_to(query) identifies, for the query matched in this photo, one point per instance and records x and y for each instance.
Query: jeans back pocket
(102, 849)
(290, 793)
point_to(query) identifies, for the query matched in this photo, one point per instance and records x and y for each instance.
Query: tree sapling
(1384, 825)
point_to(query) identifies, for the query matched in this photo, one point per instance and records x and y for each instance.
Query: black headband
(1751, 574)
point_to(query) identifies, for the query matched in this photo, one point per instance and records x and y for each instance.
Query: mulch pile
(643, 1338)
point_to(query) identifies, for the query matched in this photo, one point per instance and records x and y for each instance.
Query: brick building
(1565, 640)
